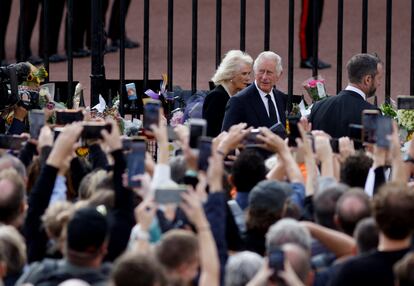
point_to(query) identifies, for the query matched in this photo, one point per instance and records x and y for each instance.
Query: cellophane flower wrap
(315, 87)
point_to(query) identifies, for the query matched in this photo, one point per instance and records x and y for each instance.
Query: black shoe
(35, 60)
(129, 44)
(308, 64)
(56, 58)
(3, 63)
(110, 49)
(81, 53)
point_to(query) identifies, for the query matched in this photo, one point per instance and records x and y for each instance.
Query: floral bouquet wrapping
(315, 87)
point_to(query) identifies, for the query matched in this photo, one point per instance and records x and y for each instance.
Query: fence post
(266, 25)
(339, 46)
(412, 50)
(194, 47)
(315, 37)
(218, 32)
(388, 52)
(364, 26)
(170, 43)
(122, 88)
(69, 50)
(146, 43)
(98, 68)
(45, 31)
(291, 52)
(243, 25)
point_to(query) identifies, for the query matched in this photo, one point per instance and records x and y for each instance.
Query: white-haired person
(232, 75)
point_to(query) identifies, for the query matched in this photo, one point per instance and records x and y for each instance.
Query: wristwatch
(408, 158)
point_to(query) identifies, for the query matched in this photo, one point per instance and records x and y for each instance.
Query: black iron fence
(98, 67)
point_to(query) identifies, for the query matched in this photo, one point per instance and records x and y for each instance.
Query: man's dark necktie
(272, 109)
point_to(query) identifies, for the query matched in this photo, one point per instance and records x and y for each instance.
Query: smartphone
(170, 195)
(334, 145)
(197, 129)
(369, 126)
(293, 130)
(36, 122)
(276, 262)
(151, 114)
(68, 116)
(355, 132)
(136, 160)
(11, 142)
(279, 130)
(204, 147)
(251, 139)
(92, 130)
(405, 102)
(384, 130)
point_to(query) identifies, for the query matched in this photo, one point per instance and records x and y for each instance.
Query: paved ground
(254, 44)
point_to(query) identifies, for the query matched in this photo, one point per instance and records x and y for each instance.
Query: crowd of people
(266, 213)
(81, 29)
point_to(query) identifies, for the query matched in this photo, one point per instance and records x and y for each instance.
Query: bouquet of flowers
(315, 87)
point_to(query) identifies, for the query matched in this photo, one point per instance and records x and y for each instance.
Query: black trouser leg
(114, 23)
(5, 6)
(306, 27)
(29, 17)
(55, 15)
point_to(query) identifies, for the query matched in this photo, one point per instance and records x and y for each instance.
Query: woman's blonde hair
(230, 65)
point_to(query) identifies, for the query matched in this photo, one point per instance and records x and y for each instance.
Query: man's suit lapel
(281, 106)
(257, 105)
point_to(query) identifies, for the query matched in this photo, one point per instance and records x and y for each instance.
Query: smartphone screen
(204, 147)
(355, 132)
(405, 102)
(369, 125)
(68, 116)
(276, 262)
(170, 195)
(11, 142)
(151, 114)
(136, 161)
(36, 122)
(251, 139)
(293, 130)
(197, 129)
(93, 131)
(384, 130)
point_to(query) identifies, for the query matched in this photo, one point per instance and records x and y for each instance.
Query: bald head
(12, 197)
(299, 260)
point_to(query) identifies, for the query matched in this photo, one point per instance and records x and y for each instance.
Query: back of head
(56, 217)
(366, 235)
(178, 166)
(230, 65)
(288, 230)
(135, 268)
(267, 204)
(361, 65)
(299, 259)
(268, 55)
(90, 182)
(176, 248)
(324, 203)
(13, 249)
(8, 161)
(354, 170)
(242, 267)
(248, 169)
(87, 231)
(12, 196)
(352, 206)
(394, 211)
(404, 270)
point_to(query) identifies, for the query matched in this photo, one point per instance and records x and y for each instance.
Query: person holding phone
(260, 104)
(334, 114)
(232, 76)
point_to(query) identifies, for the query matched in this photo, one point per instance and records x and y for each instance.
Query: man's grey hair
(231, 65)
(268, 55)
(242, 267)
(8, 161)
(362, 65)
(288, 230)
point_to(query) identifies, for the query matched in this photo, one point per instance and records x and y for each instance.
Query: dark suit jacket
(213, 109)
(248, 107)
(334, 114)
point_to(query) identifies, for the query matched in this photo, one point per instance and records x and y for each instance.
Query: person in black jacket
(232, 76)
(334, 114)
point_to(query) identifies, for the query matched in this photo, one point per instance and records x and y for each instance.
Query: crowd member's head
(14, 250)
(354, 170)
(299, 259)
(90, 182)
(87, 237)
(366, 235)
(324, 203)
(74, 282)
(178, 166)
(404, 270)
(365, 71)
(248, 169)
(178, 252)
(8, 161)
(267, 204)
(12, 198)
(242, 267)
(267, 70)
(352, 206)
(234, 71)
(134, 268)
(394, 211)
(288, 230)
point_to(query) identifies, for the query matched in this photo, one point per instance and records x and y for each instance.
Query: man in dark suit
(334, 114)
(260, 104)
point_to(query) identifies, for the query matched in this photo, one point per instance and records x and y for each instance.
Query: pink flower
(312, 83)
